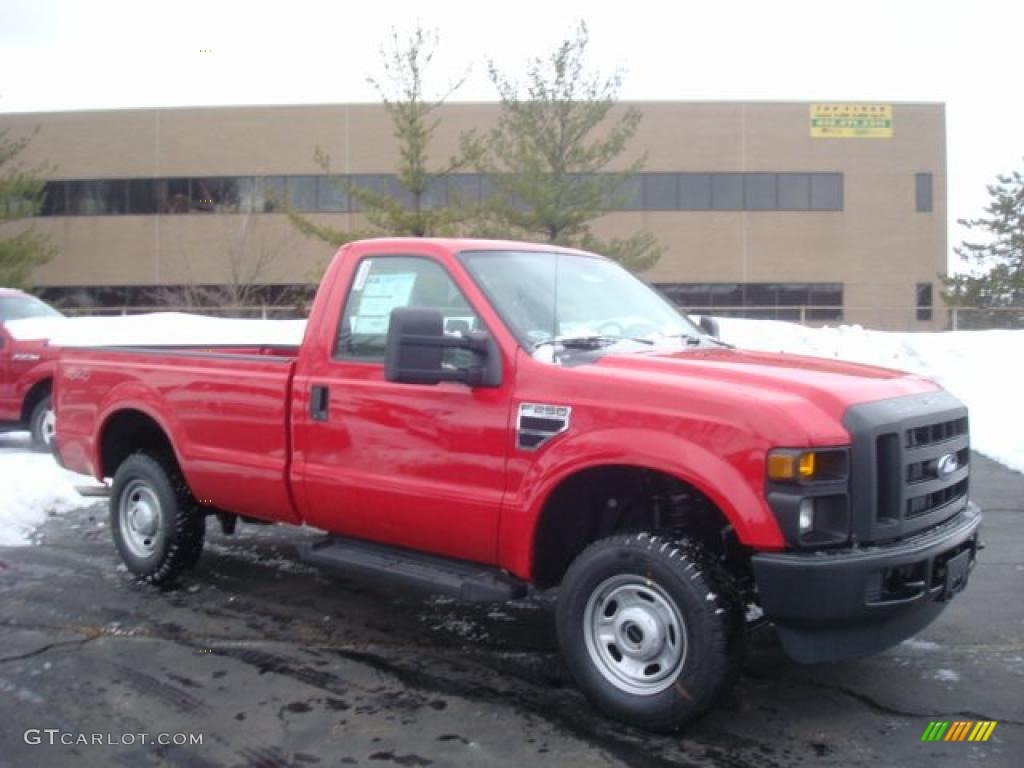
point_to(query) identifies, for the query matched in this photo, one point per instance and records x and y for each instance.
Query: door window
(384, 283)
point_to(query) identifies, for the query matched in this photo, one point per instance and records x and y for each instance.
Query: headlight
(788, 465)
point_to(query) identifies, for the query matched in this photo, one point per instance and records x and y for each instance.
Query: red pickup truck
(488, 418)
(26, 369)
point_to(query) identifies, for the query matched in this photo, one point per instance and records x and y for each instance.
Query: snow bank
(175, 328)
(32, 328)
(976, 366)
(32, 486)
(158, 328)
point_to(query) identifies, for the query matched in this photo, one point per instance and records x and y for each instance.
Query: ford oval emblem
(947, 465)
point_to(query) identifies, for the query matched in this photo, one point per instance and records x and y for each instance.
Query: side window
(384, 283)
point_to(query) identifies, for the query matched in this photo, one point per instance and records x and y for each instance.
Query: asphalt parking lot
(276, 664)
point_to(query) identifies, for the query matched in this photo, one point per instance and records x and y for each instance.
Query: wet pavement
(277, 664)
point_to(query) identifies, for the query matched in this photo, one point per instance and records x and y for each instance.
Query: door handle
(319, 400)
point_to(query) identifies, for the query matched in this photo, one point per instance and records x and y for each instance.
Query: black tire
(158, 528)
(625, 593)
(41, 424)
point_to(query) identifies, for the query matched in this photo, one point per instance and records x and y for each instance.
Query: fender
(723, 483)
(133, 396)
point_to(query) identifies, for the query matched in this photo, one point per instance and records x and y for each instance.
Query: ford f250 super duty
(488, 418)
(27, 363)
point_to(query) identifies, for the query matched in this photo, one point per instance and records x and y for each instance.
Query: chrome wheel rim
(140, 518)
(635, 635)
(48, 428)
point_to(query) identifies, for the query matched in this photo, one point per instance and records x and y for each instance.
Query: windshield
(21, 307)
(547, 297)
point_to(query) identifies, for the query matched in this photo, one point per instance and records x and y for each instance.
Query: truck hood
(831, 385)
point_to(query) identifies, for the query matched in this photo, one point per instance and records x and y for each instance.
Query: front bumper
(830, 605)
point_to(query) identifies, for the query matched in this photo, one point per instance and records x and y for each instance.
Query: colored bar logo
(959, 730)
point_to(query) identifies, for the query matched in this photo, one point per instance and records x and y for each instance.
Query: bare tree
(252, 263)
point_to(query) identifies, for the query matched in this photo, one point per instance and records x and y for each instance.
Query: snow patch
(946, 676)
(32, 487)
(158, 328)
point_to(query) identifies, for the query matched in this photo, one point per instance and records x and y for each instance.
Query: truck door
(411, 465)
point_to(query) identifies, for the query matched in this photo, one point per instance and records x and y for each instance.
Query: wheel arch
(722, 492)
(38, 390)
(130, 430)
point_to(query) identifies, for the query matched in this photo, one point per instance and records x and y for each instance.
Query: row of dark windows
(773, 301)
(264, 194)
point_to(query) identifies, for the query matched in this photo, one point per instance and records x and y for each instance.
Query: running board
(469, 582)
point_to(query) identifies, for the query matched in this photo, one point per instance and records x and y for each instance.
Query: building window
(759, 192)
(266, 194)
(97, 198)
(172, 195)
(332, 193)
(797, 302)
(660, 191)
(270, 194)
(924, 301)
(695, 191)
(142, 196)
(215, 195)
(302, 192)
(727, 191)
(923, 192)
(55, 201)
(464, 188)
(794, 191)
(826, 191)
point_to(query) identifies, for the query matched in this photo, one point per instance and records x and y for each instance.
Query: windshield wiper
(593, 341)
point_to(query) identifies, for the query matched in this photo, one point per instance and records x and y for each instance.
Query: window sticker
(381, 294)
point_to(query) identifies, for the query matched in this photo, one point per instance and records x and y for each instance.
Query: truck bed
(224, 408)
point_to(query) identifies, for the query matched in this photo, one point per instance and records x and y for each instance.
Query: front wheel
(157, 526)
(648, 629)
(42, 424)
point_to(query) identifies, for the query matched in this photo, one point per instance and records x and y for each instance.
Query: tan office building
(825, 212)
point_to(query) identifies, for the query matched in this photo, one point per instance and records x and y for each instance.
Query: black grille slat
(930, 434)
(930, 502)
(887, 450)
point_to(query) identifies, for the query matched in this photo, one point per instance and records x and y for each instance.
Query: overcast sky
(98, 54)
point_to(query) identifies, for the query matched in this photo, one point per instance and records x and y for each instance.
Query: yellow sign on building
(851, 121)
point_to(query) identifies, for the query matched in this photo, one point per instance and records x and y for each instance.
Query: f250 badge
(539, 422)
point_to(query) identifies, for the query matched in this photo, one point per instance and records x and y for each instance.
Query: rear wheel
(649, 629)
(157, 526)
(43, 424)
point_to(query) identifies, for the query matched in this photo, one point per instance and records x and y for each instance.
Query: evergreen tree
(549, 156)
(22, 249)
(413, 211)
(1000, 250)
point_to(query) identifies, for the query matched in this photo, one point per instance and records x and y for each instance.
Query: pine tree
(1000, 250)
(414, 118)
(22, 249)
(548, 157)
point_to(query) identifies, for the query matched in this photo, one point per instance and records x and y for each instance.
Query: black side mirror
(416, 343)
(709, 325)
